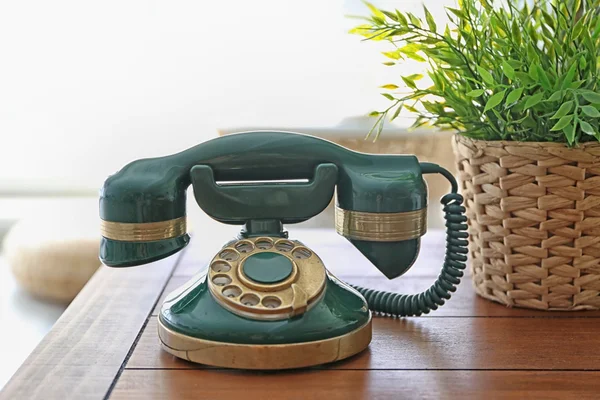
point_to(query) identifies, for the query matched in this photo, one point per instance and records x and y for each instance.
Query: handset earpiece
(142, 213)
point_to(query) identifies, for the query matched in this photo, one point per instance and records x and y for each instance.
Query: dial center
(267, 267)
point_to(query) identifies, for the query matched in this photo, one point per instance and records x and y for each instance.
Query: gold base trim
(143, 231)
(263, 356)
(380, 227)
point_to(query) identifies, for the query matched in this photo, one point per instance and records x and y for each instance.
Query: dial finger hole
(221, 280)
(284, 245)
(220, 266)
(229, 255)
(231, 291)
(264, 244)
(271, 302)
(301, 253)
(249, 300)
(244, 247)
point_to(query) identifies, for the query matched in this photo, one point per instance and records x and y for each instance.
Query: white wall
(87, 86)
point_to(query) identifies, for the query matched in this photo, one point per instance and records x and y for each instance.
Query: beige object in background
(52, 256)
(427, 144)
(534, 222)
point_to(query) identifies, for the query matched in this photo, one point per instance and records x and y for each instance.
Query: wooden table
(106, 345)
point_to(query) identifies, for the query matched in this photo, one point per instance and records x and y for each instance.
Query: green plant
(504, 70)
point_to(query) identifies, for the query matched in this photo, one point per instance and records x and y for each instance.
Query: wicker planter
(534, 219)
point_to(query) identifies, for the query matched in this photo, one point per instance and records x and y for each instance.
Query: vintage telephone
(267, 301)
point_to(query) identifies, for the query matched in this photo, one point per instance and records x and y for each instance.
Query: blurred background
(86, 87)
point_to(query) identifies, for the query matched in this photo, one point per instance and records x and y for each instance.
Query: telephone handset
(267, 301)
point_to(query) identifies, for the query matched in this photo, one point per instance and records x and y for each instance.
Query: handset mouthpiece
(384, 213)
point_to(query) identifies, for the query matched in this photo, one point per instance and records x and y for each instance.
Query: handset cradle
(267, 301)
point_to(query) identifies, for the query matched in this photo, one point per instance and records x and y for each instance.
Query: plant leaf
(533, 100)
(389, 86)
(564, 121)
(590, 111)
(411, 108)
(578, 27)
(414, 20)
(556, 96)
(516, 32)
(592, 97)
(395, 55)
(568, 79)
(548, 19)
(409, 82)
(456, 12)
(543, 78)
(523, 77)
(587, 128)
(508, 70)
(415, 77)
(514, 63)
(397, 112)
(429, 19)
(513, 96)
(376, 12)
(410, 48)
(563, 110)
(486, 76)
(569, 131)
(475, 93)
(390, 15)
(485, 4)
(401, 18)
(576, 84)
(415, 57)
(533, 72)
(494, 100)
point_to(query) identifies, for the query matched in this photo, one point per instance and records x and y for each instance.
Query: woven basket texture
(534, 222)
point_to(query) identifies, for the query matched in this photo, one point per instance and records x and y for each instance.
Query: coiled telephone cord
(406, 305)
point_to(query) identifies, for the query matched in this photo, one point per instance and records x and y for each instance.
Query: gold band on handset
(380, 227)
(143, 232)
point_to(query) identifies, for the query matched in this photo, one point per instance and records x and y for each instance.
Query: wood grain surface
(85, 350)
(357, 384)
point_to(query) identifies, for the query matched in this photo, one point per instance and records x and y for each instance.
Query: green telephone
(267, 301)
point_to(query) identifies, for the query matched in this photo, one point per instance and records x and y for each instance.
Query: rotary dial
(266, 278)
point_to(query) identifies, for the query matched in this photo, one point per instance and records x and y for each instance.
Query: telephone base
(265, 356)
(264, 303)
